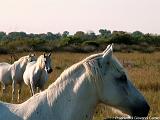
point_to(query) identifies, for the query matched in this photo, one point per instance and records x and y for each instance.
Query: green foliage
(121, 38)
(19, 41)
(137, 34)
(65, 34)
(65, 41)
(93, 43)
(79, 34)
(2, 35)
(70, 40)
(105, 33)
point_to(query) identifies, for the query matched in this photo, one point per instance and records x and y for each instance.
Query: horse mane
(39, 61)
(88, 64)
(92, 71)
(21, 59)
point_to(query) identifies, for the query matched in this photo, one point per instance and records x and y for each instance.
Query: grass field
(143, 69)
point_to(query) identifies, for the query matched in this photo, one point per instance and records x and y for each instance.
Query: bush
(92, 43)
(147, 49)
(121, 38)
(4, 50)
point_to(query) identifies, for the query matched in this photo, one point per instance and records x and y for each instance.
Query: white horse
(36, 73)
(99, 78)
(13, 73)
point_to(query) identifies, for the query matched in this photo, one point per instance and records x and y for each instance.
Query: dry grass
(143, 69)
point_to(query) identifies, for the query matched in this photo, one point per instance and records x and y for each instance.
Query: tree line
(49, 40)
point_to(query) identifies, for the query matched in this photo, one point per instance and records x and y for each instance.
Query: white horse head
(113, 85)
(25, 59)
(32, 57)
(44, 62)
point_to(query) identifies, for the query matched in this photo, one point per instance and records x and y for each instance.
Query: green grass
(143, 69)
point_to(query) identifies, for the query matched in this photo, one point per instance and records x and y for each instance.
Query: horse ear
(29, 55)
(106, 49)
(44, 54)
(108, 53)
(33, 54)
(49, 54)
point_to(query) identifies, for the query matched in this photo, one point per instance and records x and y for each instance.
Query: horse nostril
(142, 110)
(147, 108)
(50, 70)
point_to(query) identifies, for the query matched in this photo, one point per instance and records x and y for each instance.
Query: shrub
(92, 43)
(4, 50)
(147, 49)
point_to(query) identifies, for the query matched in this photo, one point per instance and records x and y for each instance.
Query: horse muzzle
(49, 70)
(141, 110)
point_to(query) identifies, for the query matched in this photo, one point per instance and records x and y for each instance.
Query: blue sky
(41, 16)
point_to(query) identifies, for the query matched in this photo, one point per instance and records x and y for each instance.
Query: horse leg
(19, 91)
(13, 89)
(32, 89)
(3, 90)
(41, 88)
(38, 89)
(3, 95)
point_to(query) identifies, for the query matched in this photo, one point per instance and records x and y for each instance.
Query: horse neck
(74, 93)
(38, 63)
(22, 63)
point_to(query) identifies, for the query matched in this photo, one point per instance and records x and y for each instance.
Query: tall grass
(143, 69)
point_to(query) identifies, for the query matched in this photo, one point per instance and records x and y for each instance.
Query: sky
(42, 16)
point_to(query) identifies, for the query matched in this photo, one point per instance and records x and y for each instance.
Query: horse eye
(99, 64)
(108, 63)
(122, 78)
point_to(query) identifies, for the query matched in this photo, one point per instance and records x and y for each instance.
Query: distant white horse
(13, 73)
(36, 73)
(75, 94)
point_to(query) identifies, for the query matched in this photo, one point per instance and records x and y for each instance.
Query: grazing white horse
(13, 73)
(36, 73)
(99, 78)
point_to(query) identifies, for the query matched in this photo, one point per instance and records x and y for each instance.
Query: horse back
(6, 112)
(5, 70)
(28, 72)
